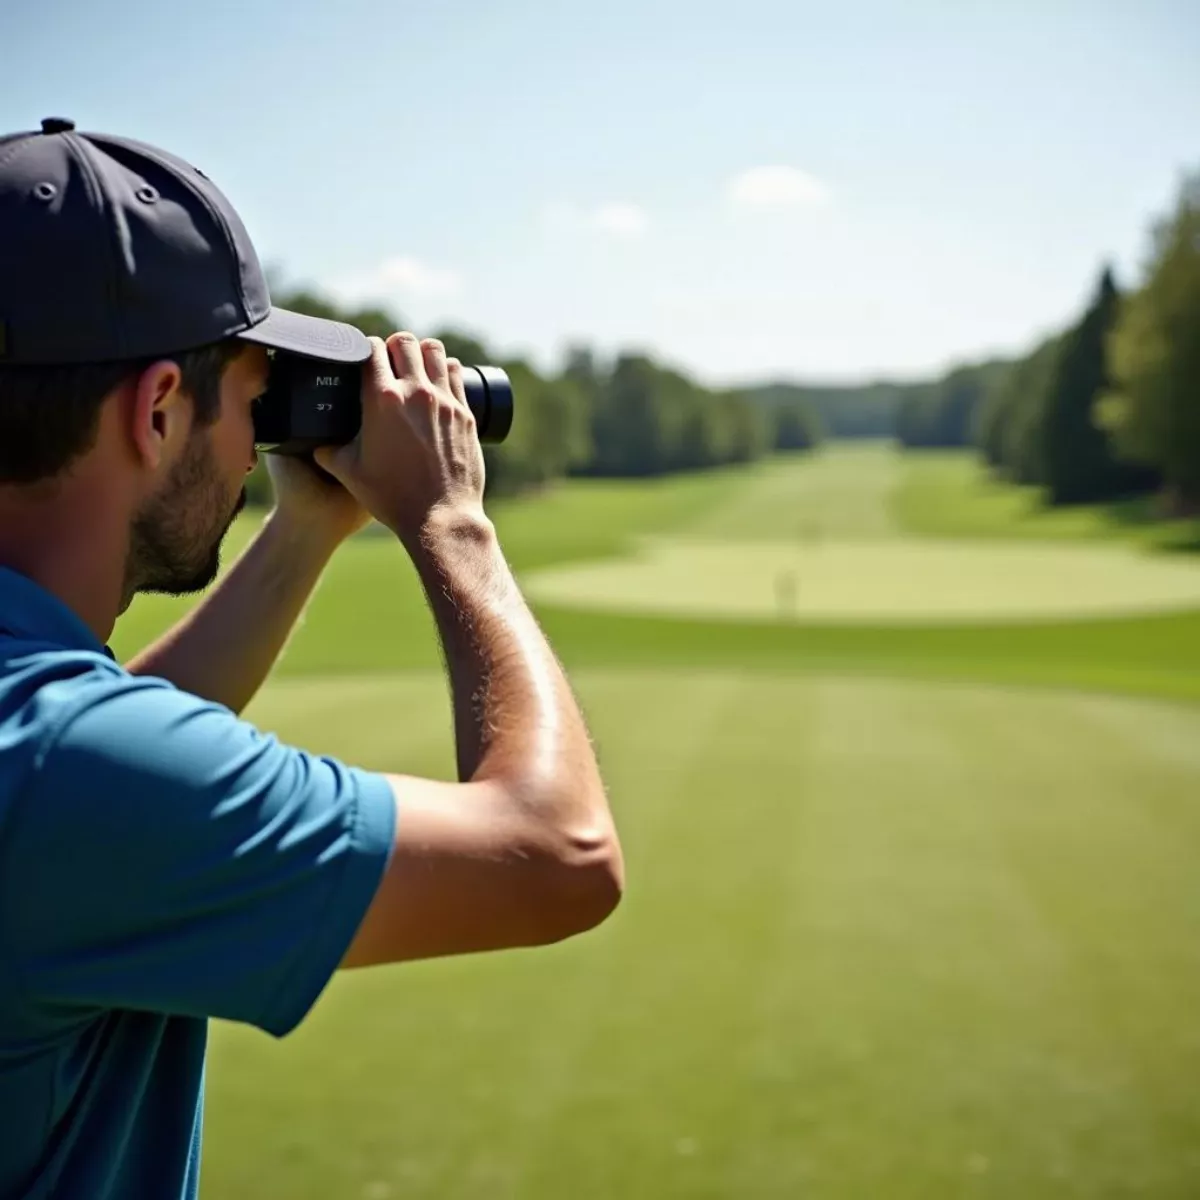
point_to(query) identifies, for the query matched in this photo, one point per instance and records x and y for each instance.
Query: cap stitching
(19, 142)
(76, 147)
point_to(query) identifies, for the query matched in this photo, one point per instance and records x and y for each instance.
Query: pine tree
(1077, 455)
(1154, 405)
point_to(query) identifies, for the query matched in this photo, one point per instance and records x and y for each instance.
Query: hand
(417, 452)
(312, 501)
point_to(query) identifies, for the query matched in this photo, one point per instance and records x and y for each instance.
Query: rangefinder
(310, 402)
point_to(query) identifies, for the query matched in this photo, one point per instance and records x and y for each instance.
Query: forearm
(516, 719)
(224, 648)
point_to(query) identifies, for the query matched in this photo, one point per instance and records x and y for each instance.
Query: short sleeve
(166, 855)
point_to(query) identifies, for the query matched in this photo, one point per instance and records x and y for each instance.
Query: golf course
(907, 775)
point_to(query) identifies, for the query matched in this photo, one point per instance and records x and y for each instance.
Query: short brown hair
(49, 415)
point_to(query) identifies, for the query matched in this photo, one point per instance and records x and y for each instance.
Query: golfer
(162, 861)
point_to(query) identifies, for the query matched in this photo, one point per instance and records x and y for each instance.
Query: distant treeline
(934, 413)
(626, 417)
(1104, 408)
(1110, 405)
(866, 411)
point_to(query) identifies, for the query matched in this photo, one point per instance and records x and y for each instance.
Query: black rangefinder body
(310, 402)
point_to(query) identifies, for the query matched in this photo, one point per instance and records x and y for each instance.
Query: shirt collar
(30, 612)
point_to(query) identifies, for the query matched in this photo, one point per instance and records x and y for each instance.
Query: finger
(405, 350)
(457, 384)
(434, 354)
(379, 366)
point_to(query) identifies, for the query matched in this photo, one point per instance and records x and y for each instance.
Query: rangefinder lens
(490, 398)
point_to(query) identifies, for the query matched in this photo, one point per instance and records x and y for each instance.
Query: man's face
(175, 540)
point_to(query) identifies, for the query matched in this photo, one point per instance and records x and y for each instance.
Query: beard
(175, 539)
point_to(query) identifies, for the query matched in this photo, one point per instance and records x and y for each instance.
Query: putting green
(875, 580)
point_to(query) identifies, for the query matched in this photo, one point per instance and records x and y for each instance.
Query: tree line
(841, 410)
(944, 411)
(629, 416)
(1106, 407)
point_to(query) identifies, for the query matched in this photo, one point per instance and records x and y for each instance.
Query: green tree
(751, 427)
(627, 431)
(1025, 400)
(1153, 404)
(946, 411)
(1076, 454)
(797, 426)
(991, 418)
(550, 434)
(847, 411)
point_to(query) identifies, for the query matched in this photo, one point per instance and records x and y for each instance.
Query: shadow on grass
(1143, 517)
(1146, 514)
(1182, 540)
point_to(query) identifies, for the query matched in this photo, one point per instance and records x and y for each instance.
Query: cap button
(57, 125)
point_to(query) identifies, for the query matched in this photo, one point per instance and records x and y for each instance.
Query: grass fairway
(882, 939)
(944, 493)
(900, 924)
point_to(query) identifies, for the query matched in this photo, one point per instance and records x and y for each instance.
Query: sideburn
(175, 541)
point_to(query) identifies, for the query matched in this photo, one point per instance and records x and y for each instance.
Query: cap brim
(333, 341)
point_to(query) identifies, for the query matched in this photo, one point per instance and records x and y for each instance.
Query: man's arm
(225, 647)
(523, 851)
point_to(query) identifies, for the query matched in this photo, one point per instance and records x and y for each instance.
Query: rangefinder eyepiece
(310, 403)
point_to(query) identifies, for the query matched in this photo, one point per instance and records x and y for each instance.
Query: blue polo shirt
(162, 862)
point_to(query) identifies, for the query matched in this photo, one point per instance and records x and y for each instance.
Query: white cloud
(622, 220)
(616, 219)
(398, 276)
(777, 187)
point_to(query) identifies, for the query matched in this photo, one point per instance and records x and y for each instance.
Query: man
(163, 862)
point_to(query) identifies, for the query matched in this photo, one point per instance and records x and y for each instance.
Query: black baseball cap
(112, 249)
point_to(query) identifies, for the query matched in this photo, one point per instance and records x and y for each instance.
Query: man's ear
(160, 412)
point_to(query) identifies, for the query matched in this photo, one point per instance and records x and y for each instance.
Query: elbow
(587, 881)
(595, 880)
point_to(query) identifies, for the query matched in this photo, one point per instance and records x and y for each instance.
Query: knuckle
(426, 393)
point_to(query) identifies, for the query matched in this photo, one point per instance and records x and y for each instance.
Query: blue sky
(748, 191)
